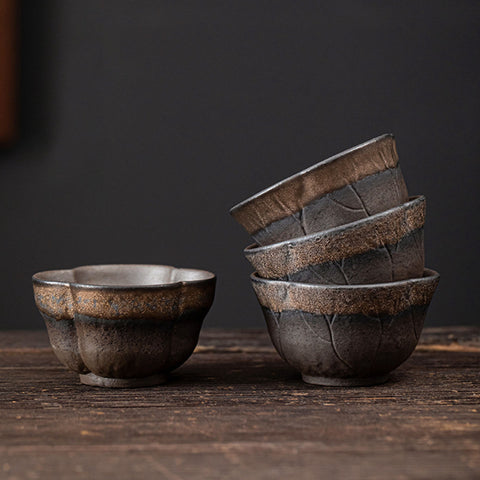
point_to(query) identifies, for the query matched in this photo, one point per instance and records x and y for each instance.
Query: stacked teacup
(339, 265)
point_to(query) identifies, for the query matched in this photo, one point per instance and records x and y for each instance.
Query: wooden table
(236, 411)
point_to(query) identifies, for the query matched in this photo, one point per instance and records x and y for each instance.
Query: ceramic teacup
(345, 335)
(123, 325)
(385, 247)
(352, 185)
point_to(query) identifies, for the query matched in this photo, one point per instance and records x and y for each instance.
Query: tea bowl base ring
(97, 381)
(345, 382)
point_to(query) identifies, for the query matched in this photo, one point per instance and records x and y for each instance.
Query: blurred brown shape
(8, 73)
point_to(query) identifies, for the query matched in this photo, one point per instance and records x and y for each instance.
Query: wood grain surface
(235, 410)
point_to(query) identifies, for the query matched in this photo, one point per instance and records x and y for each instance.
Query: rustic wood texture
(236, 411)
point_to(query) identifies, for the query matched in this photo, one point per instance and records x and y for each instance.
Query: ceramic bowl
(123, 325)
(347, 335)
(385, 247)
(352, 185)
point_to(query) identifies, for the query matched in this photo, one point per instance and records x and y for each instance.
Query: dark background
(142, 122)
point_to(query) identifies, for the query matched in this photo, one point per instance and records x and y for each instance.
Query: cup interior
(124, 275)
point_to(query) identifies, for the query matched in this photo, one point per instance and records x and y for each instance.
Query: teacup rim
(307, 170)
(210, 276)
(429, 275)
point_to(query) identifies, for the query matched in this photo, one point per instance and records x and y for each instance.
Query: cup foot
(345, 382)
(96, 381)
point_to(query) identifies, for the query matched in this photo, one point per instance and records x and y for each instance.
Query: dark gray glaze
(345, 335)
(366, 197)
(123, 325)
(352, 185)
(385, 247)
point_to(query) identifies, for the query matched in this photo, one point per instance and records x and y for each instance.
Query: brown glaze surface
(345, 335)
(61, 293)
(122, 322)
(292, 194)
(390, 255)
(386, 298)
